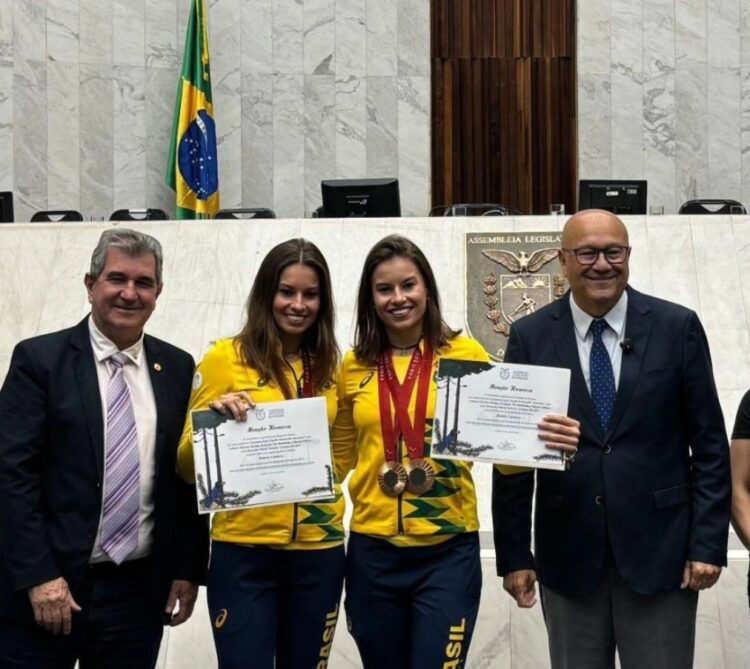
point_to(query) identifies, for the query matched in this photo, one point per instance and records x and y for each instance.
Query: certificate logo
(504, 373)
(260, 414)
(509, 276)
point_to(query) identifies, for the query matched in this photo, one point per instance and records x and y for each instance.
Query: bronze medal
(421, 476)
(392, 478)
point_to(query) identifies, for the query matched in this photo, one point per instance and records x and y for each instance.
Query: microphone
(626, 345)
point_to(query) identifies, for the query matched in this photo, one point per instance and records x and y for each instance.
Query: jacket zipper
(295, 520)
(399, 500)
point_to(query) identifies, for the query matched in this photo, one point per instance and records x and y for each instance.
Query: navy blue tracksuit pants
(413, 608)
(268, 603)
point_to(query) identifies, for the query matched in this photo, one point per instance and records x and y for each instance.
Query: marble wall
(664, 95)
(701, 262)
(309, 89)
(303, 90)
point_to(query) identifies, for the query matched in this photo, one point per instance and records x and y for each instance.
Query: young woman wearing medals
(413, 575)
(276, 572)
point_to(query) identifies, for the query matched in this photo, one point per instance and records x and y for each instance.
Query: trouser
(647, 631)
(413, 607)
(116, 628)
(270, 604)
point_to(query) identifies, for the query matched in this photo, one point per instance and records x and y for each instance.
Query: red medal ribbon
(389, 388)
(307, 382)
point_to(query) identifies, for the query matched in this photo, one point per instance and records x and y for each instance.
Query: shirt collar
(615, 317)
(105, 348)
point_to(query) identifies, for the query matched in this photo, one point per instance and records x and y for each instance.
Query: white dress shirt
(137, 378)
(612, 337)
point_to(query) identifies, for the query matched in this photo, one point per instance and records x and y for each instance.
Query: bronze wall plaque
(508, 276)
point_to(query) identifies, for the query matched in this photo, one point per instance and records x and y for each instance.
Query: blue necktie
(602, 376)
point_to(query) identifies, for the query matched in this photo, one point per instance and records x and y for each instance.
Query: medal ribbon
(389, 388)
(307, 383)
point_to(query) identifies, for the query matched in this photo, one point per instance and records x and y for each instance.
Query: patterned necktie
(119, 535)
(602, 376)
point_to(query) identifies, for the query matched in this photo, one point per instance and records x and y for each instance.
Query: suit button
(607, 449)
(599, 500)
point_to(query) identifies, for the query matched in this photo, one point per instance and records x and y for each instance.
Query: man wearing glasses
(625, 538)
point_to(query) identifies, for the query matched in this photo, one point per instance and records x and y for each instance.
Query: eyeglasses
(588, 256)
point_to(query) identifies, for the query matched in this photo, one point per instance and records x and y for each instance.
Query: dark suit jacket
(51, 469)
(656, 487)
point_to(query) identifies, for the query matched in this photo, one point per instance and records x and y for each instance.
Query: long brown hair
(258, 340)
(370, 339)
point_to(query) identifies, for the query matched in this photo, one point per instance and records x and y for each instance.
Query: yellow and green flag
(193, 169)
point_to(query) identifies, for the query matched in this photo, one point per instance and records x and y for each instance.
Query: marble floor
(509, 638)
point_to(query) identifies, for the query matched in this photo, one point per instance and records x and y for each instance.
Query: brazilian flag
(193, 169)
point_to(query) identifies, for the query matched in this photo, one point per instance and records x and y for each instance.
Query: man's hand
(185, 593)
(520, 585)
(560, 433)
(53, 605)
(699, 575)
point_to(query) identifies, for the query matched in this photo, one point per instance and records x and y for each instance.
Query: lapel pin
(157, 366)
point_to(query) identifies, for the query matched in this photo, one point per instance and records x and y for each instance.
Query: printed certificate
(280, 454)
(489, 412)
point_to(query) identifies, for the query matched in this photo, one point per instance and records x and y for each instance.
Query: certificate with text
(489, 412)
(280, 454)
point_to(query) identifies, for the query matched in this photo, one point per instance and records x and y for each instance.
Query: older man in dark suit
(100, 542)
(628, 536)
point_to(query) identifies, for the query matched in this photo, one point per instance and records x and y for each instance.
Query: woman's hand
(560, 433)
(237, 404)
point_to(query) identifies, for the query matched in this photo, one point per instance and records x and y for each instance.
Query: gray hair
(132, 243)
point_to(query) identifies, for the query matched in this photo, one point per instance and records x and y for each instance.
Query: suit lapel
(637, 330)
(566, 349)
(88, 389)
(157, 373)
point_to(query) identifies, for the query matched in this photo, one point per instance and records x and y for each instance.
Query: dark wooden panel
(503, 113)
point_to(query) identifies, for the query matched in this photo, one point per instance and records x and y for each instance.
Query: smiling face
(296, 304)
(123, 296)
(596, 288)
(400, 298)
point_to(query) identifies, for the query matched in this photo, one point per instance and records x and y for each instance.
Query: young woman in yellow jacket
(413, 575)
(276, 572)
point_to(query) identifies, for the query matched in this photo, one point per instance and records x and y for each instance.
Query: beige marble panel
(720, 292)
(708, 653)
(414, 144)
(191, 644)
(733, 615)
(358, 237)
(641, 276)
(528, 638)
(129, 136)
(237, 259)
(672, 260)
(195, 263)
(6, 125)
(128, 33)
(63, 131)
(490, 645)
